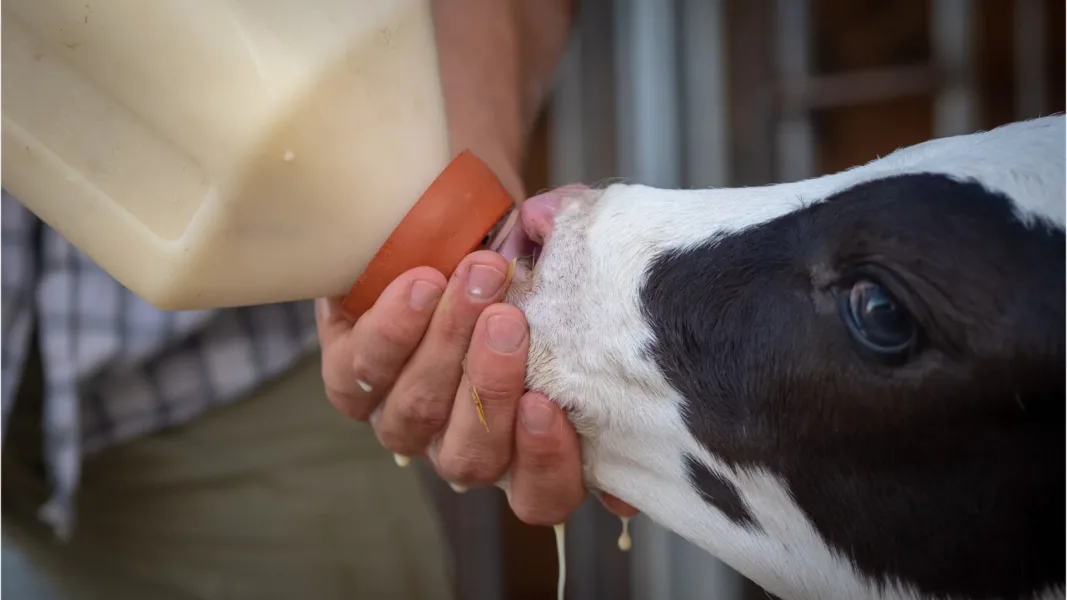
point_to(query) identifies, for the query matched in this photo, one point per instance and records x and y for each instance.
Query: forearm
(497, 61)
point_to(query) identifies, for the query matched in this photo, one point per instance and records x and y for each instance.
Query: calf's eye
(877, 320)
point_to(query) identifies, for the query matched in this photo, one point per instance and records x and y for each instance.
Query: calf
(846, 387)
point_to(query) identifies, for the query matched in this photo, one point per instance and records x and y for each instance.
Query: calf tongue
(536, 217)
(509, 239)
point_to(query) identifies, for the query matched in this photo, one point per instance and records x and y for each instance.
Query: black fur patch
(947, 471)
(719, 493)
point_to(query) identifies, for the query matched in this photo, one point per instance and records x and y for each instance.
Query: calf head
(846, 387)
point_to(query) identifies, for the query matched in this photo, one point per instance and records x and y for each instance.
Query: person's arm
(405, 355)
(498, 58)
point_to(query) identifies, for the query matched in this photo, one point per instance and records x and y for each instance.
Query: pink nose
(538, 213)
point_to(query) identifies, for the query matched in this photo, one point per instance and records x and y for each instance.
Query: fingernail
(484, 281)
(538, 416)
(505, 334)
(424, 295)
(322, 308)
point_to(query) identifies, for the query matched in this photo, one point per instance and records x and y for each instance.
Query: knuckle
(456, 324)
(348, 405)
(543, 458)
(535, 509)
(488, 258)
(390, 439)
(538, 515)
(364, 371)
(497, 387)
(395, 437)
(422, 411)
(455, 332)
(396, 333)
(497, 399)
(471, 468)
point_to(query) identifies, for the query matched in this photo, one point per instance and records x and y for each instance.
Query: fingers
(421, 401)
(472, 453)
(615, 506)
(360, 363)
(401, 361)
(546, 472)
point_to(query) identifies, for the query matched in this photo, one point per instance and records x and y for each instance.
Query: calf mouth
(511, 241)
(520, 237)
(522, 234)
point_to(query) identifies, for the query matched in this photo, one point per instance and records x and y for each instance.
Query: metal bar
(567, 139)
(952, 33)
(749, 88)
(1031, 89)
(706, 133)
(584, 132)
(583, 148)
(649, 137)
(857, 87)
(651, 575)
(649, 153)
(704, 99)
(794, 134)
(472, 524)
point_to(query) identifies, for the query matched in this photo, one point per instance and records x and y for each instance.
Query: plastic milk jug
(213, 153)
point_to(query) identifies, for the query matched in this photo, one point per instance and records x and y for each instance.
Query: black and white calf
(846, 387)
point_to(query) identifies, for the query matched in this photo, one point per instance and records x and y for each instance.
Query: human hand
(400, 366)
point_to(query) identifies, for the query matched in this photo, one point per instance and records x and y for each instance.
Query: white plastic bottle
(212, 153)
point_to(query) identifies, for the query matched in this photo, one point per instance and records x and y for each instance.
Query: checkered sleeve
(18, 275)
(117, 368)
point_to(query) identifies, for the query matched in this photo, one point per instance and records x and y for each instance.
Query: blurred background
(696, 93)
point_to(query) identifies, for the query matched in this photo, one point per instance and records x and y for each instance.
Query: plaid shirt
(116, 368)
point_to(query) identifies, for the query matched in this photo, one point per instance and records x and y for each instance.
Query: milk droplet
(401, 460)
(624, 538)
(561, 557)
(457, 488)
(363, 385)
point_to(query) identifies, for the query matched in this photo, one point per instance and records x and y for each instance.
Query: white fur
(589, 335)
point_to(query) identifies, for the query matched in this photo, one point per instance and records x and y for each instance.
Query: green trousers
(277, 496)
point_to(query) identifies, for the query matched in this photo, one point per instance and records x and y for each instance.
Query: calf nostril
(539, 212)
(537, 216)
